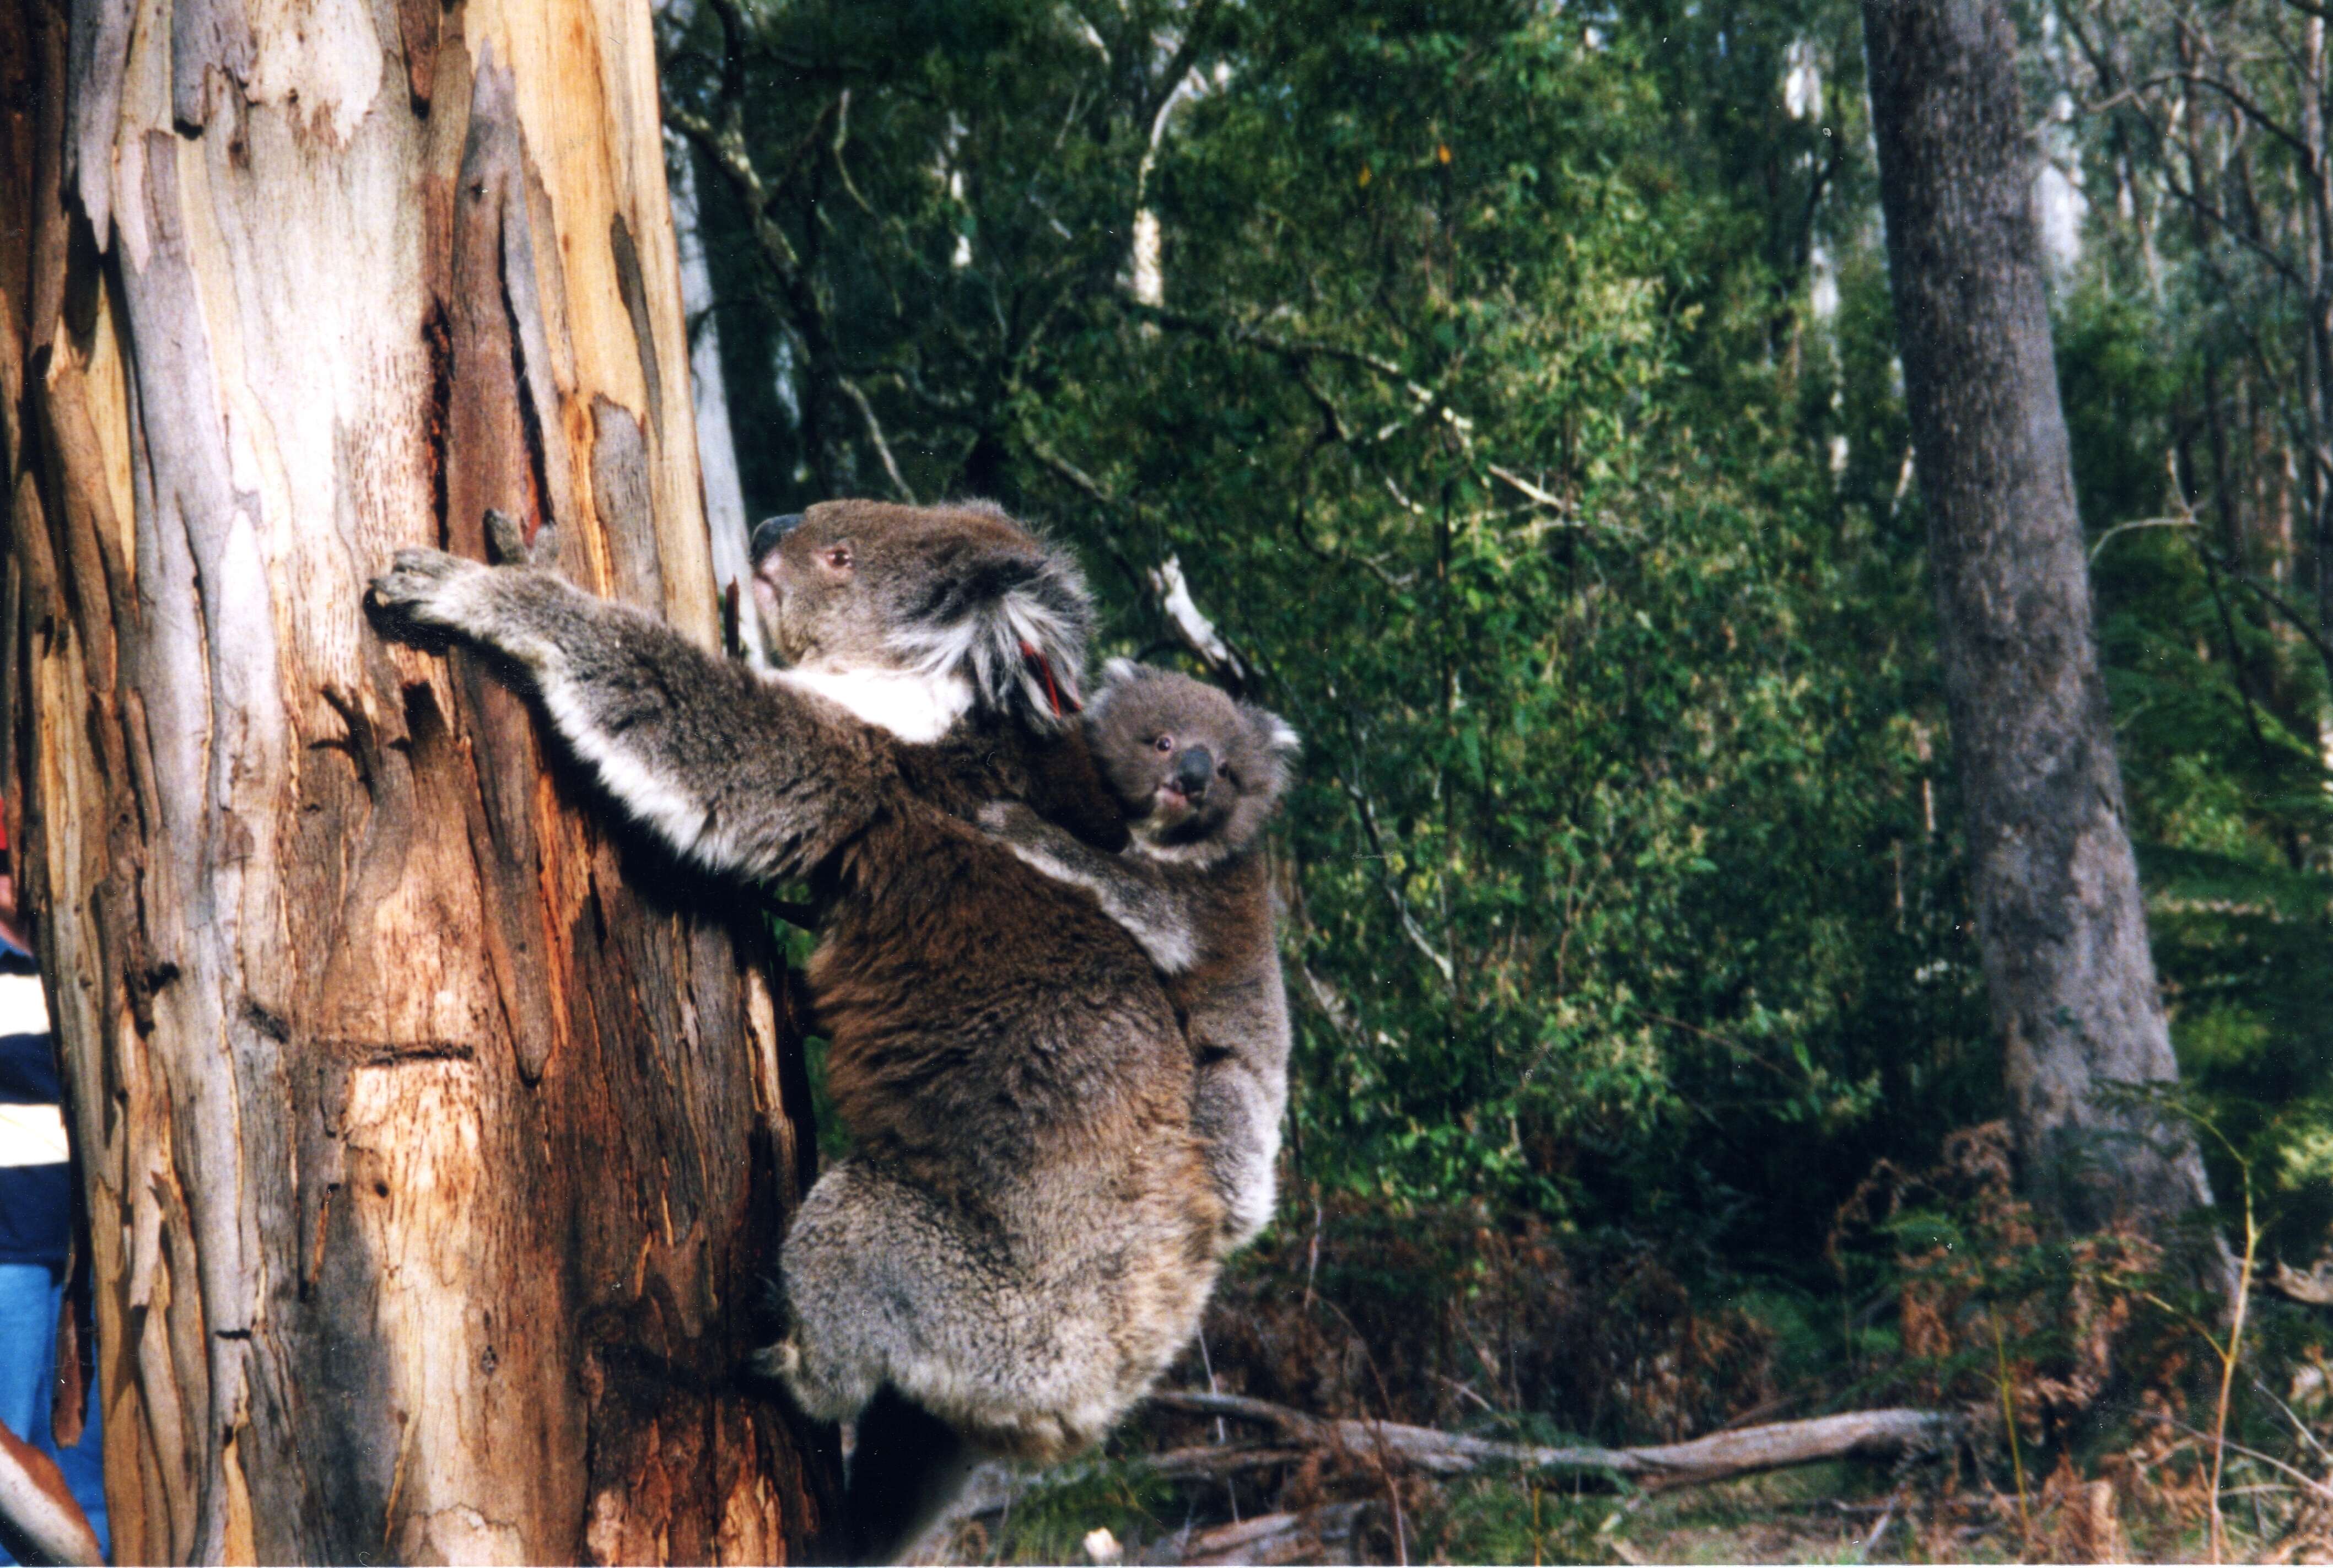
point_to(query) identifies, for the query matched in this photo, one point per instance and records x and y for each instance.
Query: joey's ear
(1276, 734)
(1279, 742)
(1118, 675)
(1013, 618)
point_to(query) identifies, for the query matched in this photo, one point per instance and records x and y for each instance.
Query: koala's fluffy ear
(1278, 740)
(1015, 621)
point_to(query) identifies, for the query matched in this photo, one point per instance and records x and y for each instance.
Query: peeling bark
(437, 1136)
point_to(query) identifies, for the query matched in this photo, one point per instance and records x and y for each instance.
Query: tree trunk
(437, 1137)
(2060, 919)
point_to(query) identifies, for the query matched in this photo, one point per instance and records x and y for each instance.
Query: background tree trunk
(717, 444)
(436, 1141)
(2060, 919)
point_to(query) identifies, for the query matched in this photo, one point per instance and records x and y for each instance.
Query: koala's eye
(1165, 743)
(839, 557)
(1223, 770)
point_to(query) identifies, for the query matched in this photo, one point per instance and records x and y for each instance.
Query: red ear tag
(1052, 692)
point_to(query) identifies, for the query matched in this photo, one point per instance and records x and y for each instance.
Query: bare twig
(1267, 1538)
(2321, 1490)
(2142, 523)
(875, 434)
(1409, 926)
(2237, 96)
(2314, 1288)
(1879, 1531)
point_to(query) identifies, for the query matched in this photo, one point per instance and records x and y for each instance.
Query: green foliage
(1520, 401)
(1051, 1517)
(2217, 709)
(1506, 1518)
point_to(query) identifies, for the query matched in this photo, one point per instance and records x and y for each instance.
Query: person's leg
(30, 1293)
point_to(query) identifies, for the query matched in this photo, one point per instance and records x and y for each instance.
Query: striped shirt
(35, 1181)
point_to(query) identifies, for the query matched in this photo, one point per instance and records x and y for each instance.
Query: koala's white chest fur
(918, 708)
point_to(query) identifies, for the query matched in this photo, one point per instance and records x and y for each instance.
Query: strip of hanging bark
(2314, 1288)
(1859, 1435)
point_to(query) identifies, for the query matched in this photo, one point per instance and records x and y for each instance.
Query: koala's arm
(1133, 893)
(740, 775)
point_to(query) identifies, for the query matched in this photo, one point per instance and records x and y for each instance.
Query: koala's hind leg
(841, 1337)
(872, 1283)
(885, 1285)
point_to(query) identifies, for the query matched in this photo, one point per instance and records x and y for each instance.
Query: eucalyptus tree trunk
(2060, 919)
(436, 1139)
(717, 443)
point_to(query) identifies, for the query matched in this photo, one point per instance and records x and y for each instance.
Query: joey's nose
(1194, 770)
(770, 532)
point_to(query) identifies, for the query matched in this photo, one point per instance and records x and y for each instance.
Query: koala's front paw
(428, 587)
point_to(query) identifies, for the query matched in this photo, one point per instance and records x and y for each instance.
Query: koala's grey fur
(1026, 1232)
(1196, 890)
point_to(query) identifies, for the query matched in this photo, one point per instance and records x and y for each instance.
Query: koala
(1199, 775)
(1026, 1230)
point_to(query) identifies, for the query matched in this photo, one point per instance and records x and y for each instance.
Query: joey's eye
(1223, 770)
(1165, 743)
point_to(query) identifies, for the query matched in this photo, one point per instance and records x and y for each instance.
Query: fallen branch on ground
(1745, 1451)
(1209, 1460)
(1894, 1434)
(1266, 1538)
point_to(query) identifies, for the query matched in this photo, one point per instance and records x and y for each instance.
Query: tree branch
(2282, 606)
(1186, 55)
(1409, 926)
(1285, 347)
(875, 434)
(2242, 100)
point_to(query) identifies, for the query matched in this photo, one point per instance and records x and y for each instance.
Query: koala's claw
(778, 1360)
(506, 541)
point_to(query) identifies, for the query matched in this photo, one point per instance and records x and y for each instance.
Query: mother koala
(1024, 1237)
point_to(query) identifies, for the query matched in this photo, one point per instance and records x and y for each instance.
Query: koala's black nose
(1194, 770)
(769, 531)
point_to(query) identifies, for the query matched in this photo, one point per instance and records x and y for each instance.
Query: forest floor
(1353, 1368)
(1841, 1513)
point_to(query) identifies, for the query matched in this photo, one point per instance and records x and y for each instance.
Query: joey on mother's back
(1026, 1230)
(1199, 775)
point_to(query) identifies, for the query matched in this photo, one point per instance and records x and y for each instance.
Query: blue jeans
(31, 1296)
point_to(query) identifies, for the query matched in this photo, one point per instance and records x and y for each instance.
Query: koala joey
(1199, 775)
(1025, 1233)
